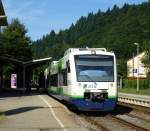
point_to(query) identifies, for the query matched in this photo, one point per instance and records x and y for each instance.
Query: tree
(14, 43)
(146, 59)
(3, 45)
(17, 43)
(116, 29)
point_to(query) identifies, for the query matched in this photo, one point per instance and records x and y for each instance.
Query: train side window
(54, 80)
(68, 66)
(64, 77)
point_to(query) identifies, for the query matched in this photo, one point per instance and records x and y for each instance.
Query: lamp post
(137, 49)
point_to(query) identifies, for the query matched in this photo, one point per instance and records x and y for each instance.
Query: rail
(134, 99)
(138, 128)
(118, 123)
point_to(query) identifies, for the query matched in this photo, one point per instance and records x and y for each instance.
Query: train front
(95, 84)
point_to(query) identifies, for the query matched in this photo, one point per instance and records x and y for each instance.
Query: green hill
(115, 29)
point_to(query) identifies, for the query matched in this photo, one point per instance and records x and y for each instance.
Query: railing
(134, 99)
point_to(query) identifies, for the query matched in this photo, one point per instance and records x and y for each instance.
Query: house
(136, 68)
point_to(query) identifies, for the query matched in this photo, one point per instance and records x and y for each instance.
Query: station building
(136, 68)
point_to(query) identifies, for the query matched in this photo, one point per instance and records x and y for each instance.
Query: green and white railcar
(86, 78)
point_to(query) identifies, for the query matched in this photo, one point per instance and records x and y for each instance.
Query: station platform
(135, 95)
(135, 99)
(37, 112)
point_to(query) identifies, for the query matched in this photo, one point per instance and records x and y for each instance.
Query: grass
(2, 116)
(133, 91)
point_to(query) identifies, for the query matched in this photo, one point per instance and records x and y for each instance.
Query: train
(85, 78)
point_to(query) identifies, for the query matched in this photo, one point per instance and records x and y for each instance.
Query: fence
(143, 83)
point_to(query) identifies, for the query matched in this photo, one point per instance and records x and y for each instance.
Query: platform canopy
(24, 66)
(32, 63)
(3, 17)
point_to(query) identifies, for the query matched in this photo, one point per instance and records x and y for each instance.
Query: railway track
(111, 123)
(122, 118)
(96, 123)
(135, 107)
(136, 127)
(136, 116)
(139, 117)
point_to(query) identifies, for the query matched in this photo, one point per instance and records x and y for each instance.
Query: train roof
(93, 50)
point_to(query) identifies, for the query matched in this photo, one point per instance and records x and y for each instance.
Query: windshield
(94, 68)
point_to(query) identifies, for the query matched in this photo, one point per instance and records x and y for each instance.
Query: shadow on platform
(21, 110)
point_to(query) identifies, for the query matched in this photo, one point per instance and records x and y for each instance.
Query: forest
(117, 30)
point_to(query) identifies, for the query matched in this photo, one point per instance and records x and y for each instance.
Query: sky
(42, 16)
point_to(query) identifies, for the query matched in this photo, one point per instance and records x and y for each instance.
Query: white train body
(86, 78)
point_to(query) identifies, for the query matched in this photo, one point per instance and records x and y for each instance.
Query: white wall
(134, 64)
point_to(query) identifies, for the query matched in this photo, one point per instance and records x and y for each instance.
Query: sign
(135, 70)
(14, 81)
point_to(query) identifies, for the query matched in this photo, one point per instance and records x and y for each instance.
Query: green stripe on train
(53, 90)
(59, 66)
(60, 91)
